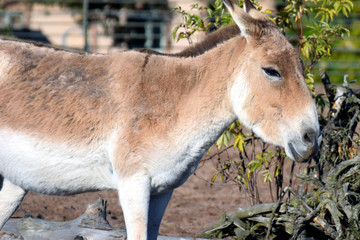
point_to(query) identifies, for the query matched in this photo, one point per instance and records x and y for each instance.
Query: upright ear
(247, 19)
(248, 6)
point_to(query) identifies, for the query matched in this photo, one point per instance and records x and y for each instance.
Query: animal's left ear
(247, 18)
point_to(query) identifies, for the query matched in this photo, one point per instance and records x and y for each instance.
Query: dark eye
(272, 72)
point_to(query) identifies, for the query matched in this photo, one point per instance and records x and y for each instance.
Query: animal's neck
(214, 78)
(168, 95)
(205, 104)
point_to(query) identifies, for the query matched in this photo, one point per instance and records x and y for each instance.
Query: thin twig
(277, 206)
(291, 176)
(217, 153)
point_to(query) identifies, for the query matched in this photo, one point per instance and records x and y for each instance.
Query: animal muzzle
(303, 148)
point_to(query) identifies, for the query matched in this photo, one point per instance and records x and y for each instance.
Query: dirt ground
(194, 206)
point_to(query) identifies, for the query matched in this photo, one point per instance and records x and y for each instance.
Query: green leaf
(174, 32)
(214, 178)
(223, 139)
(239, 143)
(254, 165)
(276, 171)
(266, 174)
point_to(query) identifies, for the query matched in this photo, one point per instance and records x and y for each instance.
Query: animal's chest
(173, 174)
(173, 167)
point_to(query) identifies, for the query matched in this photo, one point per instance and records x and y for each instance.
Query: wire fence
(108, 24)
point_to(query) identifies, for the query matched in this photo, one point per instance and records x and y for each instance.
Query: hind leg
(10, 198)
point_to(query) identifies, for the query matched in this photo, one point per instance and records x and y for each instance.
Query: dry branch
(91, 225)
(236, 218)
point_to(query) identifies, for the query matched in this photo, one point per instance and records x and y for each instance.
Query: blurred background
(107, 26)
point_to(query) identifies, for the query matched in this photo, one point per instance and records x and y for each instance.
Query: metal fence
(91, 24)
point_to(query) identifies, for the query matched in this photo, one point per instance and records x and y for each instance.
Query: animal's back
(54, 93)
(56, 117)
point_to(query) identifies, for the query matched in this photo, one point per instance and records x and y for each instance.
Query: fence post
(85, 24)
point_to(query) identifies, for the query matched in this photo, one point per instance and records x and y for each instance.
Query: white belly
(48, 168)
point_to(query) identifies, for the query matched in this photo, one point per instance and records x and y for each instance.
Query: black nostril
(307, 139)
(309, 136)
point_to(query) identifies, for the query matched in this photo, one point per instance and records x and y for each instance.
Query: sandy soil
(194, 206)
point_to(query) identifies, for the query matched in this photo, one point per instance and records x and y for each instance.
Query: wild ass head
(276, 104)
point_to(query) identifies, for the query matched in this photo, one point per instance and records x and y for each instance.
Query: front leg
(134, 195)
(10, 199)
(158, 204)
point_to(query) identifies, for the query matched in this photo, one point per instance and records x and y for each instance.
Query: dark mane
(210, 42)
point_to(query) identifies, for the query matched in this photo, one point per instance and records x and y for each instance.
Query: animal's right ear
(245, 18)
(248, 6)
